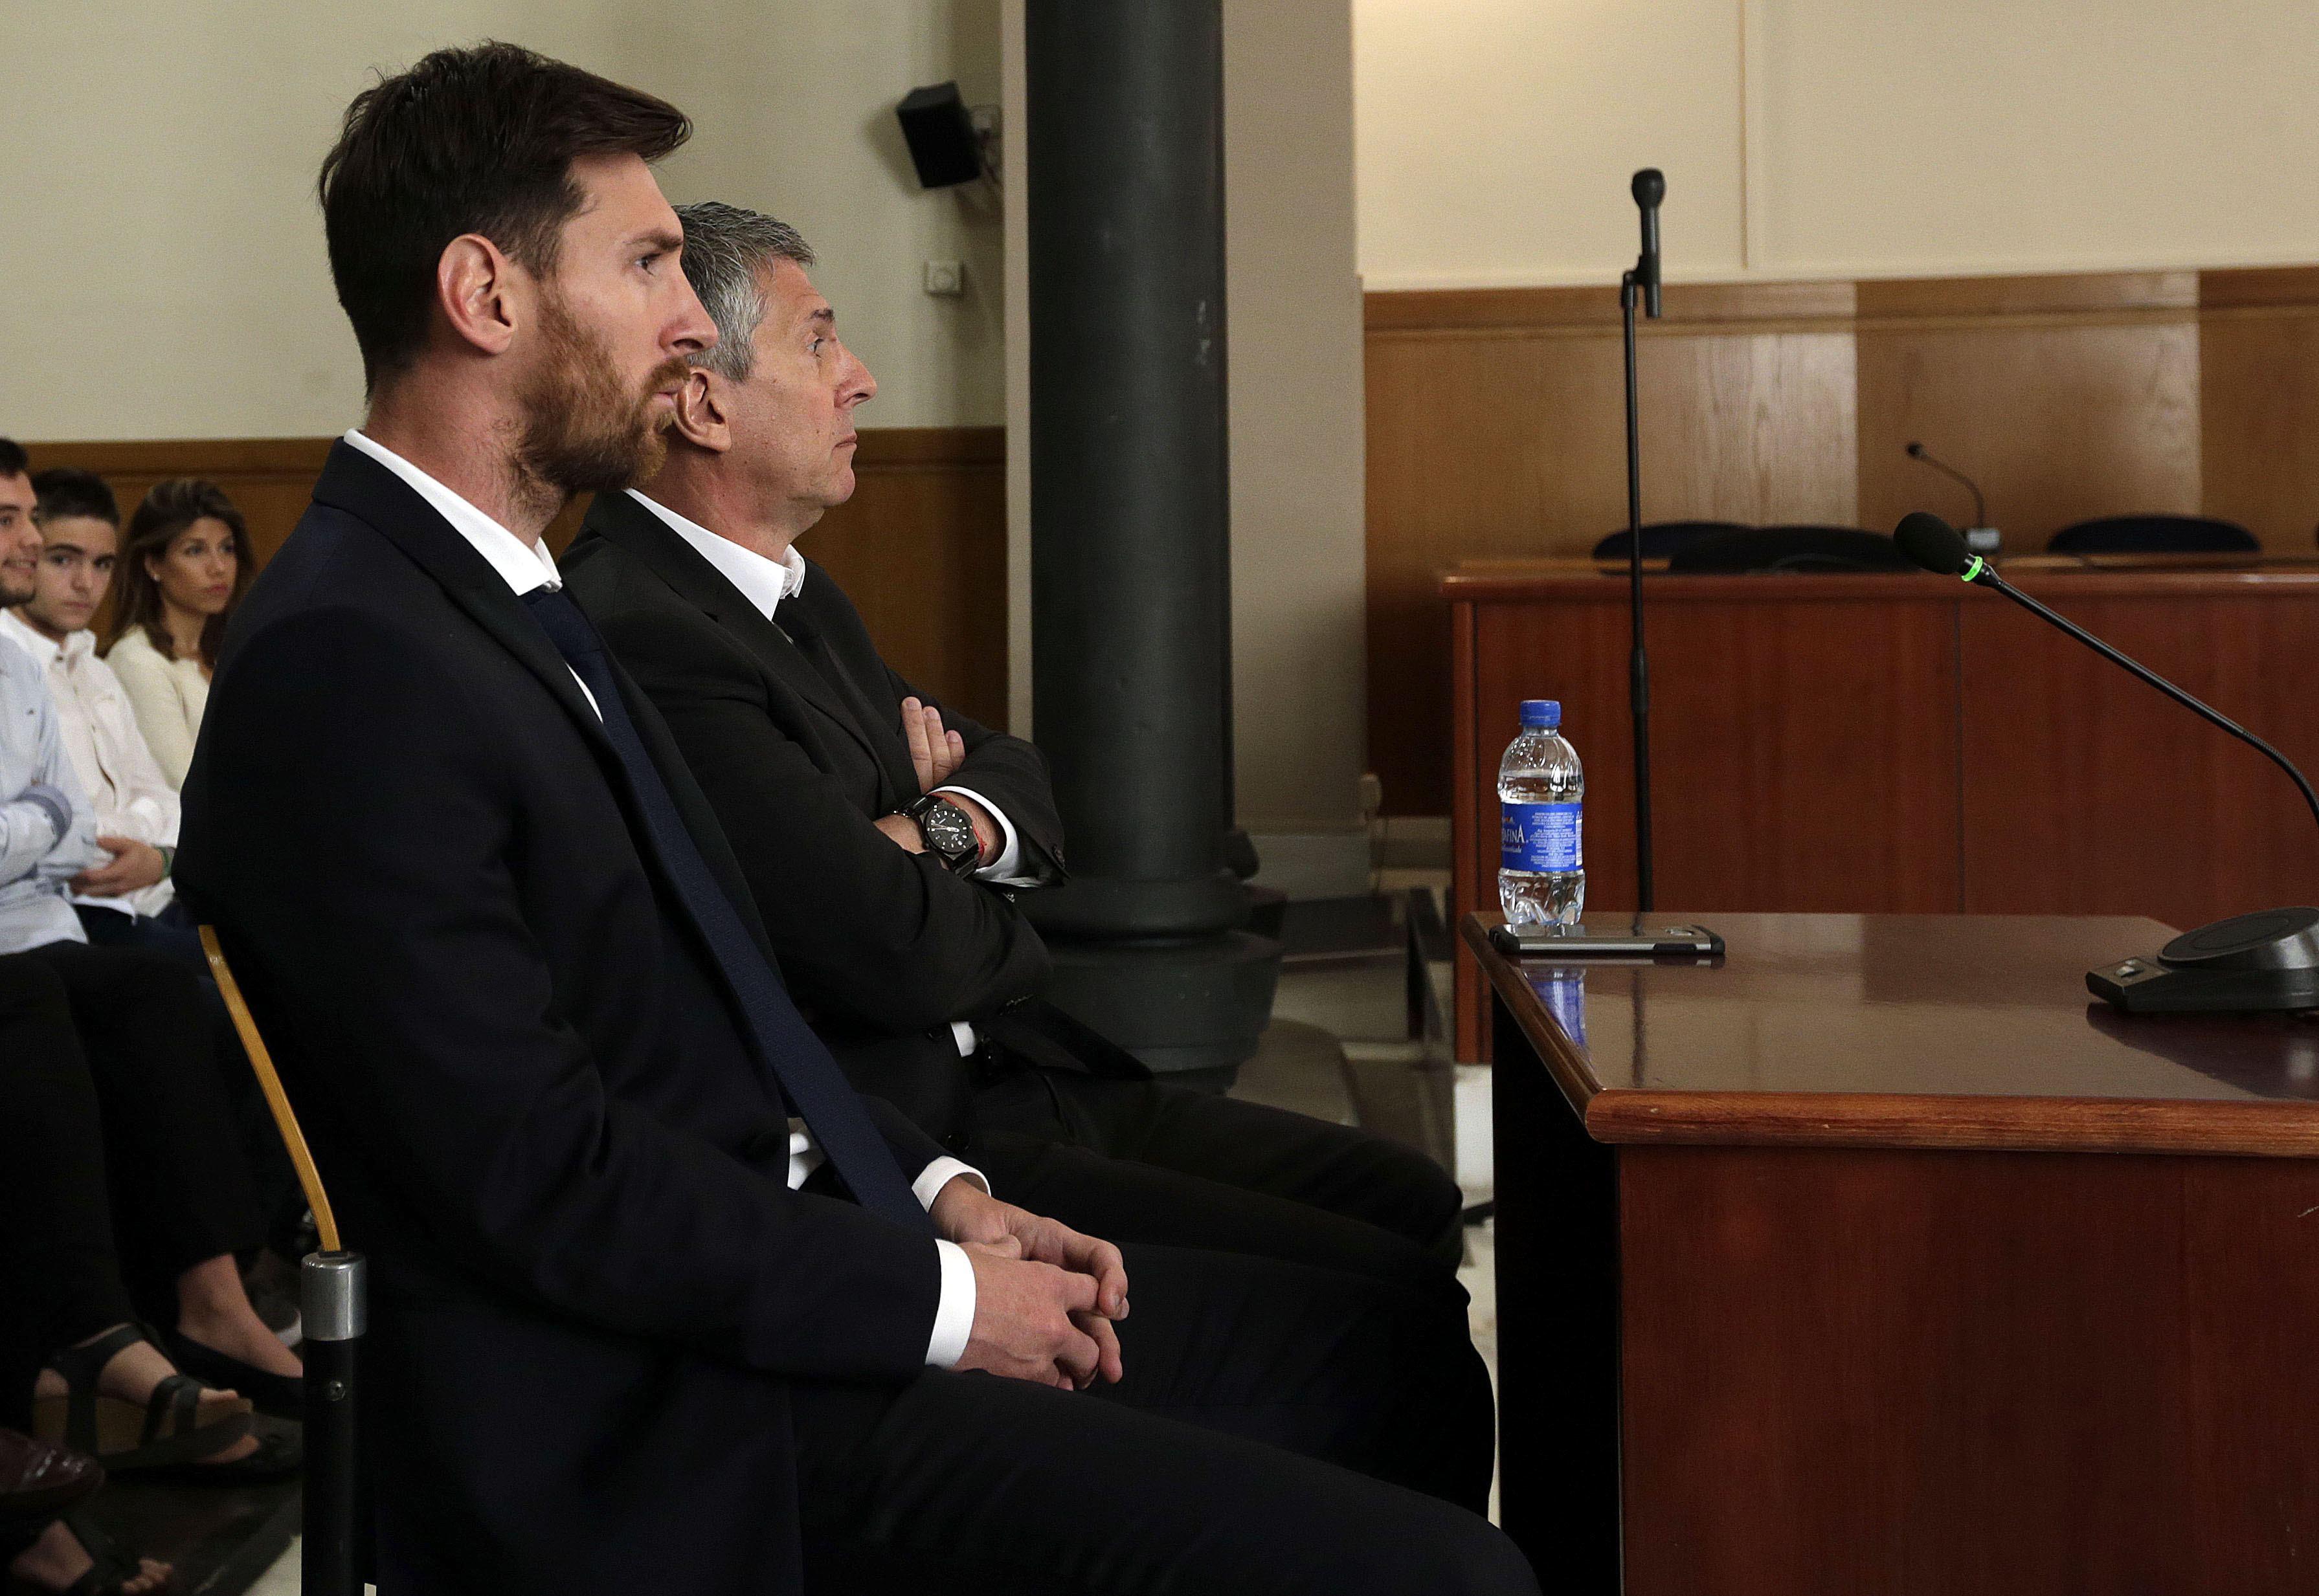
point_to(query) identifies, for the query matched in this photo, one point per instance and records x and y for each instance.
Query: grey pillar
(1130, 517)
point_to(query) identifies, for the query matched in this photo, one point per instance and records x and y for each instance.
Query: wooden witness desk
(1879, 1259)
(1902, 742)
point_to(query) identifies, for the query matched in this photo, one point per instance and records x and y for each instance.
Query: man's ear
(480, 293)
(700, 420)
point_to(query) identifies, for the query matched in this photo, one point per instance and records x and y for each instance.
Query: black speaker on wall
(942, 143)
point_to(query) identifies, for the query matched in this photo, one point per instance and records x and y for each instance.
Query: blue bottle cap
(1541, 712)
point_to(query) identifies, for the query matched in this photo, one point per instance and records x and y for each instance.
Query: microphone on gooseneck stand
(2249, 963)
(1980, 538)
(1649, 188)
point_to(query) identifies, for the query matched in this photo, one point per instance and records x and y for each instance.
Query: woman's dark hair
(476, 140)
(167, 510)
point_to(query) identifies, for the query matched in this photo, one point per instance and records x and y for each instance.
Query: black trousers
(173, 932)
(1225, 1462)
(1146, 1161)
(59, 1279)
(179, 1179)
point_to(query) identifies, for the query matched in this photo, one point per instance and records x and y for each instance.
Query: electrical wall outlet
(945, 279)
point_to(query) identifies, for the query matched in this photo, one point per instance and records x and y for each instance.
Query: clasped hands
(1045, 1296)
(134, 866)
(937, 753)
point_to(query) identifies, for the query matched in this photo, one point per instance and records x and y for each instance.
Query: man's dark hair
(68, 490)
(13, 461)
(477, 141)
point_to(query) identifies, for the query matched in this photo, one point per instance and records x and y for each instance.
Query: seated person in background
(75, 1369)
(812, 750)
(659, 1302)
(181, 572)
(136, 806)
(179, 1177)
(125, 898)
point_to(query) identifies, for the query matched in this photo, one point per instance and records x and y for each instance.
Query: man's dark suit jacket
(527, 1085)
(798, 751)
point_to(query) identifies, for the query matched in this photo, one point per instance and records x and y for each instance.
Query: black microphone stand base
(2266, 962)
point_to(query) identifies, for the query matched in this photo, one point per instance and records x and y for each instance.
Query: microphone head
(1915, 451)
(1931, 543)
(1649, 188)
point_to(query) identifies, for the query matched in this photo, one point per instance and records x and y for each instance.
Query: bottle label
(1541, 838)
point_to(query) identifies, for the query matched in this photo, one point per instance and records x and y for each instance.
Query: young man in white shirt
(125, 896)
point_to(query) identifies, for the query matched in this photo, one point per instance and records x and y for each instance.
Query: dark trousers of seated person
(60, 1280)
(1239, 1176)
(179, 1182)
(176, 932)
(1225, 1463)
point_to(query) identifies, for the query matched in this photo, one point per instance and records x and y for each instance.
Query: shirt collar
(77, 645)
(523, 566)
(763, 582)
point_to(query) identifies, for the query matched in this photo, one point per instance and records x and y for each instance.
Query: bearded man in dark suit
(660, 1302)
(885, 836)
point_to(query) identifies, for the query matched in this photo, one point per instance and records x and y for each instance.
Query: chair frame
(334, 1303)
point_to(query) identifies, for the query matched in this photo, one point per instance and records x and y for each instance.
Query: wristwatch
(949, 832)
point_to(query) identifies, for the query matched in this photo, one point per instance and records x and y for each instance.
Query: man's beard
(581, 433)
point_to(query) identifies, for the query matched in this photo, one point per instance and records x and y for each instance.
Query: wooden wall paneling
(1803, 752)
(2064, 397)
(2087, 793)
(921, 546)
(2259, 402)
(269, 479)
(1496, 428)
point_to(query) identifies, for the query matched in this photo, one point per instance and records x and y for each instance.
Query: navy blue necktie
(810, 1078)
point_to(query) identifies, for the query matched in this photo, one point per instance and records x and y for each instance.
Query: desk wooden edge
(1987, 1123)
(1979, 1122)
(1563, 1061)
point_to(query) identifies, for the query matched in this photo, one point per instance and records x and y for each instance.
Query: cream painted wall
(1832, 138)
(164, 256)
(1495, 138)
(1298, 450)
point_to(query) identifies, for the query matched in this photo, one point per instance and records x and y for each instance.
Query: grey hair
(727, 251)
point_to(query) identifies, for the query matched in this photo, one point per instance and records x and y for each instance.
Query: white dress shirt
(125, 785)
(765, 583)
(527, 566)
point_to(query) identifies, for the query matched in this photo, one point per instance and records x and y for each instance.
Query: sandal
(109, 1568)
(278, 1396)
(278, 1455)
(116, 1431)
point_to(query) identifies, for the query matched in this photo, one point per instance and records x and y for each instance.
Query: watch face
(949, 832)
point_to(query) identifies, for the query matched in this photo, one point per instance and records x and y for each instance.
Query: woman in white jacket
(182, 570)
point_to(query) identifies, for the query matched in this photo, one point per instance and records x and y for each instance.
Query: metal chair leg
(333, 1300)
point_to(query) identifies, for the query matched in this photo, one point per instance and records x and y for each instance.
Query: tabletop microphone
(2248, 963)
(1649, 188)
(1980, 538)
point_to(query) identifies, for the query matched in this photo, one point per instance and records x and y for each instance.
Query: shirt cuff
(1007, 867)
(954, 1313)
(939, 1174)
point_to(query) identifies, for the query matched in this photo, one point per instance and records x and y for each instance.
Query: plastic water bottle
(1541, 855)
